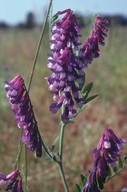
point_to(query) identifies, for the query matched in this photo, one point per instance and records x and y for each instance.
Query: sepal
(55, 142)
(77, 188)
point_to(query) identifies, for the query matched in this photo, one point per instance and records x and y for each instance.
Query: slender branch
(39, 45)
(26, 186)
(32, 73)
(61, 140)
(17, 161)
(61, 170)
(60, 164)
(29, 86)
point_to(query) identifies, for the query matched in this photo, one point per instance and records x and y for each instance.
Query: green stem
(26, 186)
(60, 164)
(32, 73)
(62, 128)
(61, 170)
(29, 86)
(39, 45)
(20, 146)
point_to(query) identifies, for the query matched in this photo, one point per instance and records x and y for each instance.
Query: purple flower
(110, 146)
(90, 49)
(15, 181)
(97, 176)
(91, 185)
(24, 115)
(67, 61)
(105, 155)
(102, 170)
(2, 179)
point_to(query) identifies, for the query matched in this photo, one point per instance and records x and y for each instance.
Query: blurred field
(109, 74)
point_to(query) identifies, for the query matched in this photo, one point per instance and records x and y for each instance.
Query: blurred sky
(14, 11)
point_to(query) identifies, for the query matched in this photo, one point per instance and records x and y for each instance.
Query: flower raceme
(68, 59)
(15, 181)
(110, 146)
(24, 115)
(105, 156)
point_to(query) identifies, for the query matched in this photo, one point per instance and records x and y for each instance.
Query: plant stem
(26, 186)
(62, 128)
(29, 86)
(20, 145)
(39, 44)
(61, 170)
(32, 73)
(60, 164)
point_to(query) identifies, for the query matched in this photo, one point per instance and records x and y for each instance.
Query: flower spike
(105, 156)
(24, 115)
(110, 146)
(67, 61)
(90, 49)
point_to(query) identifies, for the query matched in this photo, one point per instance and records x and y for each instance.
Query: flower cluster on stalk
(67, 60)
(14, 180)
(24, 115)
(105, 156)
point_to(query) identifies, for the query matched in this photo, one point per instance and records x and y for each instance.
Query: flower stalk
(67, 61)
(61, 170)
(60, 164)
(23, 137)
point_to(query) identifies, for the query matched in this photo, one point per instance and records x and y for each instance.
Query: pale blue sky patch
(14, 11)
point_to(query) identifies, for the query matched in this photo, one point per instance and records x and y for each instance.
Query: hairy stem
(62, 128)
(32, 73)
(60, 164)
(26, 186)
(39, 45)
(20, 146)
(29, 86)
(61, 170)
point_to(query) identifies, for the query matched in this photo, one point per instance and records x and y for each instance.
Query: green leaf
(54, 18)
(54, 142)
(125, 158)
(109, 172)
(83, 179)
(90, 98)
(87, 89)
(120, 163)
(81, 85)
(83, 107)
(77, 188)
(101, 183)
(115, 169)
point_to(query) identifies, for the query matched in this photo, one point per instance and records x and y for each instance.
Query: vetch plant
(67, 61)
